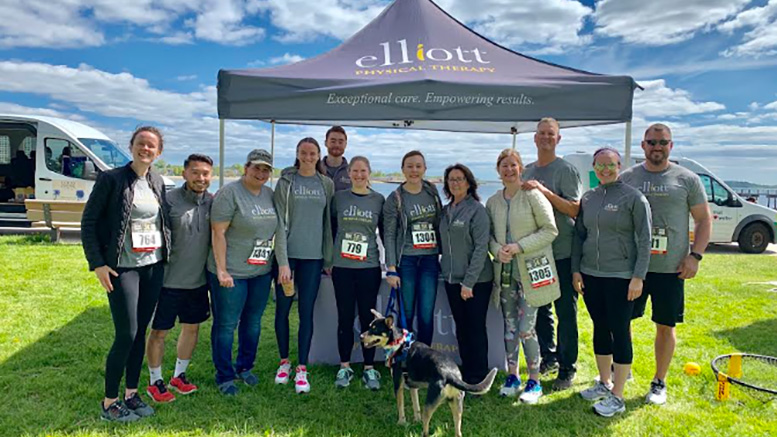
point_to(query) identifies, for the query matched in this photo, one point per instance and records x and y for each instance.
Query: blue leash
(395, 300)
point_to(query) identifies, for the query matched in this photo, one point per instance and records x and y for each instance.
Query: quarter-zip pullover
(465, 233)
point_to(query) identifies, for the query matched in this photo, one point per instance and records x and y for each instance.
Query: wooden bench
(54, 216)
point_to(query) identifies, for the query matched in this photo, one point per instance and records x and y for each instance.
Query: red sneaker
(182, 385)
(159, 392)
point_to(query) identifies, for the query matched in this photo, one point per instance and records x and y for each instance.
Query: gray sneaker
(117, 412)
(137, 406)
(344, 377)
(248, 378)
(610, 406)
(371, 379)
(598, 391)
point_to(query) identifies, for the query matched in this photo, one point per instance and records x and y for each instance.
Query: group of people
(536, 244)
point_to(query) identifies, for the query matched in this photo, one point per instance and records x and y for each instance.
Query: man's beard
(657, 158)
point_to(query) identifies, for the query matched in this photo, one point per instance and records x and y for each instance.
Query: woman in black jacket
(125, 231)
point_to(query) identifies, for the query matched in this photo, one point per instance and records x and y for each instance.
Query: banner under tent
(416, 67)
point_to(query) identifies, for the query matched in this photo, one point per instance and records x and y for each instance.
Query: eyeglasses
(610, 166)
(457, 180)
(654, 143)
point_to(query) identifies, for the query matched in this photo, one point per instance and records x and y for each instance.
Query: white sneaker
(511, 387)
(532, 392)
(657, 393)
(283, 373)
(301, 384)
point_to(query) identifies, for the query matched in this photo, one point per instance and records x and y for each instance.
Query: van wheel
(754, 238)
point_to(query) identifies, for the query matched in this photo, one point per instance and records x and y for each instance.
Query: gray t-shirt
(421, 235)
(190, 226)
(253, 224)
(309, 199)
(671, 194)
(358, 216)
(561, 178)
(144, 239)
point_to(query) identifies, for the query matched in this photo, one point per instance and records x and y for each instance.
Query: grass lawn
(55, 331)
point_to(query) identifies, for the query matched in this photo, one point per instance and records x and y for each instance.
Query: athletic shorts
(667, 294)
(189, 306)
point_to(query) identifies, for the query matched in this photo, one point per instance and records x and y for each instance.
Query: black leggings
(471, 332)
(610, 310)
(355, 287)
(132, 301)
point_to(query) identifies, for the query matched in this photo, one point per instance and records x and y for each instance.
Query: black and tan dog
(416, 365)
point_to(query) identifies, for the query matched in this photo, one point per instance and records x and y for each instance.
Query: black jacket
(107, 213)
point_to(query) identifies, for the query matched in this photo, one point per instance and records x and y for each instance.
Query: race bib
(424, 236)
(540, 272)
(146, 237)
(658, 241)
(354, 246)
(260, 255)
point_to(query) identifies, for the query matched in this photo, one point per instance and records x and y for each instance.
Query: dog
(416, 365)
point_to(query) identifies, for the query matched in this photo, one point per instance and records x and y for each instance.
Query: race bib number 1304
(424, 236)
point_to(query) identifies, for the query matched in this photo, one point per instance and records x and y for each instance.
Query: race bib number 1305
(540, 272)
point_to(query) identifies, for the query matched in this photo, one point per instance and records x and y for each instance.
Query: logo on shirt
(651, 189)
(423, 211)
(458, 223)
(611, 208)
(259, 211)
(354, 212)
(303, 191)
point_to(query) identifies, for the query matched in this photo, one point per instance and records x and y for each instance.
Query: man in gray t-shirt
(335, 164)
(674, 193)
(559, 181)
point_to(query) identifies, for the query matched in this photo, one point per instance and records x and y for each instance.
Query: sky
(708, 69)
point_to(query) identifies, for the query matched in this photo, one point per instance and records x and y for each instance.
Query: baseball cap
(260, 156)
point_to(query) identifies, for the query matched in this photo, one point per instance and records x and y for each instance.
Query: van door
(723, 208)
(63, 170)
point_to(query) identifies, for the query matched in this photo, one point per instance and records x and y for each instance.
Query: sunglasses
(610, 166)
(654, 143)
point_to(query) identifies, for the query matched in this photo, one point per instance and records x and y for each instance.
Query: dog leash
(395, 300)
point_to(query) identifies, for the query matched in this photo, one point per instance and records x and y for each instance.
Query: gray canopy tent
(416, 67)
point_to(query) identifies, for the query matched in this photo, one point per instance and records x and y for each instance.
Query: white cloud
(661, 22)
(658, 100)
(15, 109)
(46, 23)
(220, 21)
(544, 26)
(178, 38)
(287, 58)
(762, 39)
(186, 77)
(772, 105)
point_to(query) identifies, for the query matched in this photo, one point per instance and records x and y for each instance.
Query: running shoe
(344, 377)
(248, 378)
(182, 385)
(301, 384)
(159, 392)
(531, 393)
(657, 393)
(371, 379)
(598, 391)
(117, 412)
(283, 373)
(137, 406)
(512, 386)
(610, 406)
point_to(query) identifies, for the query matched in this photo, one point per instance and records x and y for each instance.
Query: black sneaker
(549, 366)
(117, 412)
(564, 381)
(136, 405)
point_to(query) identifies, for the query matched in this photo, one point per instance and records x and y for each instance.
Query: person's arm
(219, 243)
(92, 215)
(641, 219)
(493, 244)
(579, 237)
(702, 229)
(480, 230)
(390, 221)
(547, 230)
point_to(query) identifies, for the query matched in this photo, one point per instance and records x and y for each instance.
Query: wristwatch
(698, 256)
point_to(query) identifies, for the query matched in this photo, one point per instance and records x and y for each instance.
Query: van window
(714, 190)
(5, 149)
(67, 159)
(28, 145)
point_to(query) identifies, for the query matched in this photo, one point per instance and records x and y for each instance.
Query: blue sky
(709, 68)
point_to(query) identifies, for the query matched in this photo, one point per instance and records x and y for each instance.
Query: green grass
(55, 330)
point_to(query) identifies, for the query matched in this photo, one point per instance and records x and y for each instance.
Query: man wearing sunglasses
(673, 192)
(559, 182)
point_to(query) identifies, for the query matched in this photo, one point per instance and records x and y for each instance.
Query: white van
(734, 219)
(60, 158)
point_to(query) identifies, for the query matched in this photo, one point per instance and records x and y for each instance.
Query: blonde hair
(504, 154)
(551, 121)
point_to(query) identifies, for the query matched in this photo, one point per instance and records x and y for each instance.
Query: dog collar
(399, 348)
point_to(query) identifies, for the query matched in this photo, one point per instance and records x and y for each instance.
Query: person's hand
(688, 267)
(514, 248)
(504, 254)
(104, 276)
(635, 289)
(533, 185)
(466, 293)
(284, 274)
(328, 271)
(577, 282)
(393, 281)
(225, 279)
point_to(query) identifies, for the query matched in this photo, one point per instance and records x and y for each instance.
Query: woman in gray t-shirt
(247, 235)
(303, 197)
(356, 274)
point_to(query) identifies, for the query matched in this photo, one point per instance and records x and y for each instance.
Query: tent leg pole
(221, 152)
(627, 148)
(514, 132)
(272, 149)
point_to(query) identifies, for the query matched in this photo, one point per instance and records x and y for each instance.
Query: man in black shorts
(674, 192)
(185, 291)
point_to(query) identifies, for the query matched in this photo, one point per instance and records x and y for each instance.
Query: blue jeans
(240, 307)
(418, 276)
(307, 278)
